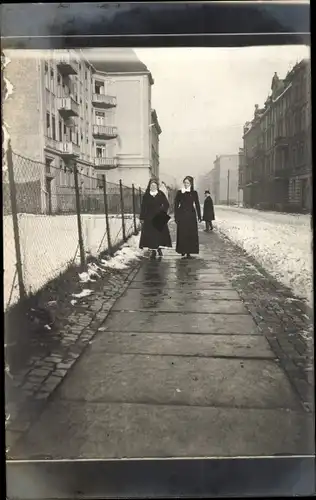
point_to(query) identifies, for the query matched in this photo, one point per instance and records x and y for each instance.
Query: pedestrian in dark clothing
(186, 211)
(208, 212)
(154, 205)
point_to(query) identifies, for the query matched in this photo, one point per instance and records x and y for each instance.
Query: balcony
(67, 107)
(103, 101)
(51, 144)
(281, 142)
(69, 150)
(104, 131)
(67, 64)
(106, 163)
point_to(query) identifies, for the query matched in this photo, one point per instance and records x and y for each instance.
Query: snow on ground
(130, 251)
(280, 242)
(50, 243)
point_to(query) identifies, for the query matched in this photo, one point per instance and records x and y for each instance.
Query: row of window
(54, 79)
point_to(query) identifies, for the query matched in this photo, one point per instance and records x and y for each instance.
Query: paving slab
(176, 380)
(183, 285)
(149, 272)
(181, 278)
(247, 346)
(181, 323)
(185, 294)
(101, 430)
(133, 300)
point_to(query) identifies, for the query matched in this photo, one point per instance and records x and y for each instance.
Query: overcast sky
(203, 97)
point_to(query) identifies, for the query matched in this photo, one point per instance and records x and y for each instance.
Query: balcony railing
(103, 100)
(51, 144)
(106, 163)
(69, 149)
(67, 106)
(104, 131)
(67, 64)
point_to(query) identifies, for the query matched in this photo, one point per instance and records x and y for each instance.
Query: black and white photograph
(157, 240)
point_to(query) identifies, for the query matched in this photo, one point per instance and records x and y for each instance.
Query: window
(48, 126)
(58, 79)
(99, 118)
(60, 130)
(46, 75)
(100, 151)
(54, 127)
(48, 162)
(99, 88)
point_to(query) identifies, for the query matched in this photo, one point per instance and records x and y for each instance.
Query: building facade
(225, 179)
(276, 172)
(155, 131)
(67, 109)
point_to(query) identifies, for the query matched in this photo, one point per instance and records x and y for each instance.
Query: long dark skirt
(152, 238)
(187, 234)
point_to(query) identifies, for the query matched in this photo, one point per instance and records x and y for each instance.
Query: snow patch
(85, 293)
(123, 257)
(281, 244)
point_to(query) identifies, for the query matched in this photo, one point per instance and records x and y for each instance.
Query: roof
(117, 60)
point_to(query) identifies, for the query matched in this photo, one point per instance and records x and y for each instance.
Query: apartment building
(277, 168)
(225, 179)
(66, 108)
(155, 131)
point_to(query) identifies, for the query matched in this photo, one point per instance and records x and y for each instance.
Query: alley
(179, 368)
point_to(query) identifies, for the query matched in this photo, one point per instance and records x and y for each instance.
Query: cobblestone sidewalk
(52, 354)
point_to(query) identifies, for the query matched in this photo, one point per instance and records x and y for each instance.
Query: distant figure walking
(208, 212)
(153, 216)
(186, 211)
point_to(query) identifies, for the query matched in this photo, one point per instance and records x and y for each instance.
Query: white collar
(185, 190)
(153, 193)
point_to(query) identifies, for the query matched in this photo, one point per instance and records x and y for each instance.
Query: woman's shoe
(153, 254)
(189, 256)
(159, 252)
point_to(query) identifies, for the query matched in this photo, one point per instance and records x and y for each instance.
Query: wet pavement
(179, 368)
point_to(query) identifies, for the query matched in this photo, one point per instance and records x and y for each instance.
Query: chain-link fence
(55, 217)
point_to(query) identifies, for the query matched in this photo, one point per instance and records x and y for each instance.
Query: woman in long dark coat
(154, 202)
(186, 211)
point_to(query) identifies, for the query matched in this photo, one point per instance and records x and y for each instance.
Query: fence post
(15, 221)
(140, 199)
(78, 211)
(134, 209)
(122, 210)
(106, 209)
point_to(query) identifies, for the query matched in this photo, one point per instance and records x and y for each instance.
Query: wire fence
(53, 217)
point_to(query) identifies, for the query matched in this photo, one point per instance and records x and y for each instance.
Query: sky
(204, 96)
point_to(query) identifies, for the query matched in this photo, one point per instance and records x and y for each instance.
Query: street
(179, 368)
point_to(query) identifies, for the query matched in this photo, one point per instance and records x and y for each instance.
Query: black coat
(186, 211)
(208, 210)
(150, 236)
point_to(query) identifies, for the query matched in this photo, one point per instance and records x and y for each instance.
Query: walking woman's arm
(197, 205)
(165, 202)
(176, 206)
